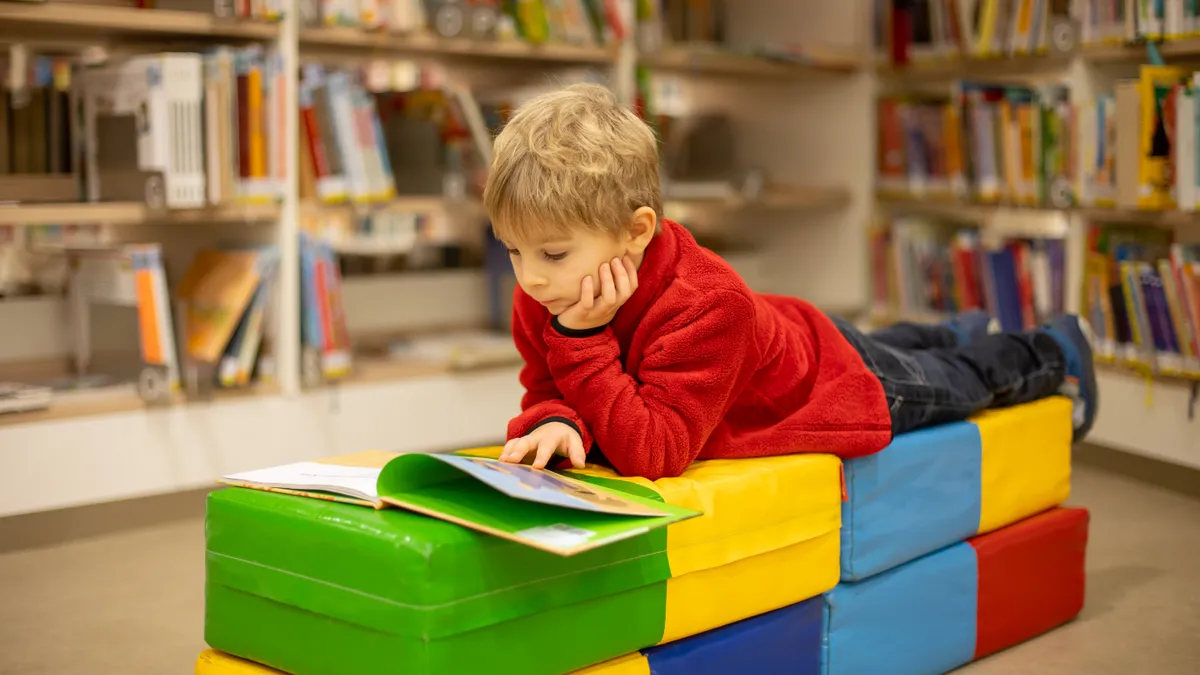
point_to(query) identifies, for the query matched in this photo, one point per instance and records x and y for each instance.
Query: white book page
(352, 481)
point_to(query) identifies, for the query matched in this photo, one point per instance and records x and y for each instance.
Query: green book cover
(543, 509)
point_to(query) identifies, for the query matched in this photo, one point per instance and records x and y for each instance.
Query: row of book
(924, 268)
(573, 22)
(991, 144)
(35, 129)
(662, 22)
(1142, 297)
(916, 31)
(1139, 142)
(1122, 21)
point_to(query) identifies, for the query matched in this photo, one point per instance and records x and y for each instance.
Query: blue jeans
(929, 378)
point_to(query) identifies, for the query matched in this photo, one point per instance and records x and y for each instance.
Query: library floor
(132, 603)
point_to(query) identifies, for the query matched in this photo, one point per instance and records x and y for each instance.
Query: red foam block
(1031, 578)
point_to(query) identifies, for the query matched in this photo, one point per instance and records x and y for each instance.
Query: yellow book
(254, 117)
(217, 288)
(1155, 179)
(986, 27)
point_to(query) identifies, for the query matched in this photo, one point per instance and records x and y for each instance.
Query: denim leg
(925, 387)
(908, 335)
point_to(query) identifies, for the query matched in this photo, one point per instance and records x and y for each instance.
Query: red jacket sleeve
(656, 423)
(542, 401)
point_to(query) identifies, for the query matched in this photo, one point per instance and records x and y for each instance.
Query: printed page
(546, 487)
(352, 481)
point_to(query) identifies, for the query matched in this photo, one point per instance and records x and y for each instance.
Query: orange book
(217, 288)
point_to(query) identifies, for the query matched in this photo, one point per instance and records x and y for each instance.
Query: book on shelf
(37, 138)
(324, 333)
(130, 276)
(225, 295)
(1138, 143)
(986, 143)
(206, 126)
(1112, 22)
(1141, 293)
(570, 22)
(257, 10)
(922, 31)
(548, 510)
(923, 268)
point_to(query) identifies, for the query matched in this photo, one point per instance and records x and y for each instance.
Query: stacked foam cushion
(786, 640)
(314, 587)
(924, 588)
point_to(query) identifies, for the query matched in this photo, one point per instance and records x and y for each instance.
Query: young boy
(646, 350)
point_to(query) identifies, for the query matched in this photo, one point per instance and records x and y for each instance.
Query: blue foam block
(919, 494)
(786, 640)
(917, 618)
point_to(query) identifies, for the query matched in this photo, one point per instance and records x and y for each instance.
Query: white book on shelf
(344, 128)
(1185, 149)
(164, 95)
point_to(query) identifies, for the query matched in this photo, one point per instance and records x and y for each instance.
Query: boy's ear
(641, 229)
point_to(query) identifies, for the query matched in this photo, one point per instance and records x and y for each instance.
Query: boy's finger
(607, 289)
(621, 277)
(520, 447)
(545, 450)
(631, 271)
(575, 451)
(507, 448)
(587, 293)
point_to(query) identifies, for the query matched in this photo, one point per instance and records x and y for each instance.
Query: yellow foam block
(1026, 464)
(213, 662)
(630, 664)
(768, 537)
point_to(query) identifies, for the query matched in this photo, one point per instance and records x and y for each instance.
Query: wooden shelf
(131, 213)
(61, 19)
(1012, 220)
(120, 399)
(791, 198)
(1021, 67)
(314, 41)
(945, 208)
(1136, 53)
(716, 62)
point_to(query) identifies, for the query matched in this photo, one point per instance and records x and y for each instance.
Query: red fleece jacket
(697, 366)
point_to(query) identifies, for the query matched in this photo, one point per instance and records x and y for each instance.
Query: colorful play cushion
(786, 640)
(931, 488)
(321, 588)
(961, 603)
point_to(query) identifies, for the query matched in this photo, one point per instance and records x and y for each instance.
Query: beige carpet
(132, 604)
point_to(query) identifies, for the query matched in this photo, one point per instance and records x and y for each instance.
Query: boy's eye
(555, 256)
(513, 251)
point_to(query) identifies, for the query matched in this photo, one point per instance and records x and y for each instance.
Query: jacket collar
(654, 276)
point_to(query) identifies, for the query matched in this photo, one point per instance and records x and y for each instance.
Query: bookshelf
(408, 402)
(1148, 402)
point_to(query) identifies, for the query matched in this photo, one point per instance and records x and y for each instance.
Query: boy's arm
(655, 425)
(542, 402)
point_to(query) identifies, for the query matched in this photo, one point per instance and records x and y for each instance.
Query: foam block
(314, 587)
(943, 610)
(1031, 578)
(916, 618)
(786, 640)
(931, 488)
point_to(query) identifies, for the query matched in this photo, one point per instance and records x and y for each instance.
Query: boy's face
(551, 270)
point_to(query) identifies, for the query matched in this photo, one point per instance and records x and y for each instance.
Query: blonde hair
(571, 158)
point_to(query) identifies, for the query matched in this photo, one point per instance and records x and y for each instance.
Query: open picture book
(539, 508)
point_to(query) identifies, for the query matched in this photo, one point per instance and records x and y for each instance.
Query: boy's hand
(546, 441)
(618, 281)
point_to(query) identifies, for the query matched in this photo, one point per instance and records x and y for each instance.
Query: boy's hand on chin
(546, 441)
(618, 281)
